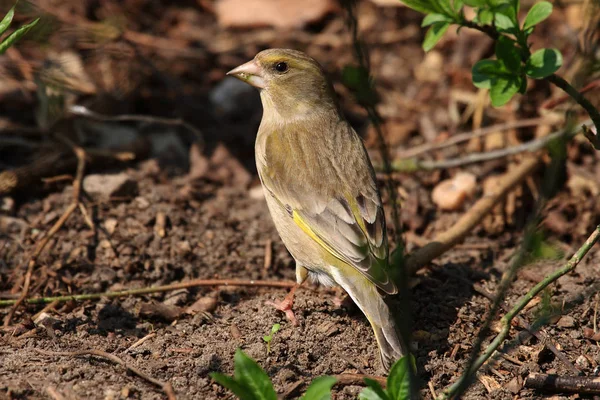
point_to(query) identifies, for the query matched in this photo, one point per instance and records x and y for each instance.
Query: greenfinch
(320, 188)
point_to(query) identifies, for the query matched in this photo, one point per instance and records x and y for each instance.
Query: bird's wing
(338, 207)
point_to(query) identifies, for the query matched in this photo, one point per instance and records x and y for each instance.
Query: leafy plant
(267, 338)
(398, 384)
(251, 382)
(16, 35)
(507, 74)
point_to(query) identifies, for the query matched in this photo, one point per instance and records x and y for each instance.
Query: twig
(83, 111)
(468, 221)
(80, 153)
(165, 386)
(564, 384)
(464, 136)
(54, 394)
(518, 307)
(142, 340)
(268, 255)
(412, 164)
(358, 379)
(155, 289)
(523, 324)
(550, 104)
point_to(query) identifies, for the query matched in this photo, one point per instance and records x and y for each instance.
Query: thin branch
(444, 241)
(412, 164)
(358, 379)
(155, 289)
(464, 136)
(519, 306)
(83, 111)
(165, 386)
(563, 384)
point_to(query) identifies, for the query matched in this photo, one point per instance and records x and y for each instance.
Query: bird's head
(290, 82)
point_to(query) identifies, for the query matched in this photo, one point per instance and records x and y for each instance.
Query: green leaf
(434, 34)
(372, 394)
(523, 87)
(505, 21)
(267, 338)
(541, 249)
(539, 12)
(16, 35)
(504, 88)
(231, 384)
(508, 54)
(458, 5)
(373, 391)
(250, 375)
(430, 6)
(484, 72)
(485, 16)
(476, 3)
(398, 381)
(543, 63)
(320, 388)
(275, 328)
(5, 23)
(431, 19)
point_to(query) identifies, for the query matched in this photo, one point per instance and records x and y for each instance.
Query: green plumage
(321, 189)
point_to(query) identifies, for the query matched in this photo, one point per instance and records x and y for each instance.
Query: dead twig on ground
(523, 324)
(155, 289)
(83, 111)
(506, 321)
(472, 218)
(413, 164)
(358, 379)
(165, 386)
(563, 384)
(476, 133)
(77, 182)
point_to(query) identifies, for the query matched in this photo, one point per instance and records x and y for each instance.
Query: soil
(218, 227)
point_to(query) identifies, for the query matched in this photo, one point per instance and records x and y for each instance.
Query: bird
(321, 190)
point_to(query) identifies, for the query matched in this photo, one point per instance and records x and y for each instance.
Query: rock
(582, 362)
(452, 193)
(110, 186)
(566, 321)
(513, 386)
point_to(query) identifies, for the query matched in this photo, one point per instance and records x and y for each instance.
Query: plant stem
(518, 307)
(153, 289)
(578, 97)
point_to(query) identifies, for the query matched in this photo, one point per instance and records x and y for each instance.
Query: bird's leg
(286, 304)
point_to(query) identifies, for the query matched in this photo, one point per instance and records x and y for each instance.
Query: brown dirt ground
(219, 229)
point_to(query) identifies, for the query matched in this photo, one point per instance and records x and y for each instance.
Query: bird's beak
(250, 73)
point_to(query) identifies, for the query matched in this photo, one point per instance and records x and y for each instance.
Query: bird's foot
(285, 305)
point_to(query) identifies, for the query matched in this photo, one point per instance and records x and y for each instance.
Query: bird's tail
(376, 309)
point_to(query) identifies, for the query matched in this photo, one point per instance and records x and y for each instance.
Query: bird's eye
(281, 66)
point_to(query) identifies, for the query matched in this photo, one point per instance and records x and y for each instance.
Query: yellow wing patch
(307, 229)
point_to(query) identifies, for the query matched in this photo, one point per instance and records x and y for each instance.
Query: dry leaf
(277, 13)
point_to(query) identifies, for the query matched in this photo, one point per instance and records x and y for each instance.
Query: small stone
(582, 362)
(513, 386)
(110, 225)
(566, 321)
(110, 186)
(452, 193)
